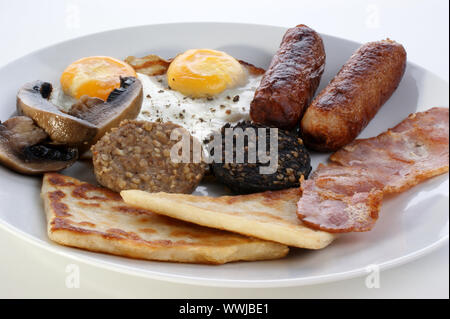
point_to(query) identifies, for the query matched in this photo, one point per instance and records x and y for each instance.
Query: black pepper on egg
(243, 178)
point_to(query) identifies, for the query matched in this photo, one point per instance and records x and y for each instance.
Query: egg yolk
(94, 76)
(204, 73)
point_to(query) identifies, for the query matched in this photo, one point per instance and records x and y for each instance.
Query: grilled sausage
(345, 107)
(291, 80)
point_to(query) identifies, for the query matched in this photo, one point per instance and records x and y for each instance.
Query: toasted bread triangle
(92, 218)
(269, 215)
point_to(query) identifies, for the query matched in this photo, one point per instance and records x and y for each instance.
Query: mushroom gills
(24, 148)
(33, 101)
(123, 103)
(87, 120)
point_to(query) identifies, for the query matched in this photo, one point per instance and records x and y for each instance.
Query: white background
(421, 26)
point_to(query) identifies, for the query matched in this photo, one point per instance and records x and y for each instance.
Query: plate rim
(219, 283)
(225, 283)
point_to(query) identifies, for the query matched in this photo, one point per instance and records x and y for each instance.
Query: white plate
(411, 224)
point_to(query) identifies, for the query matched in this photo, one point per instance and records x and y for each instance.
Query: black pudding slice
(249, 176)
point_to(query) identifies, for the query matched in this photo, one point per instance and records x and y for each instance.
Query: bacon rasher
(346, 195)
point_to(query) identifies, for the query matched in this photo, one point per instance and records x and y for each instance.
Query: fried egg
(202, 90)
(95, 76)
(205, 73)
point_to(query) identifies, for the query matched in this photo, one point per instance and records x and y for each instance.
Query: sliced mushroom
(24, 148)
(88, 119)
(123, 103)
(33, 101)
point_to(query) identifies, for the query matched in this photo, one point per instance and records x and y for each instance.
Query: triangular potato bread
(269, 215)
(96, 219)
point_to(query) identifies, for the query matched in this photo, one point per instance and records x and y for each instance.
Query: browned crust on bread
(270, 215)
(291, 79)
(104, 223)
(350, 101)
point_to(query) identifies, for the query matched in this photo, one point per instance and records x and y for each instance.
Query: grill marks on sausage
(349, 102)
(346, 195)
(291, 80)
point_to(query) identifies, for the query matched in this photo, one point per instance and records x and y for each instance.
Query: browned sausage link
(291, 80)
(345, 107)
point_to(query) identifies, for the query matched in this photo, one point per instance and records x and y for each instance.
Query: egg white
(200, 116)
